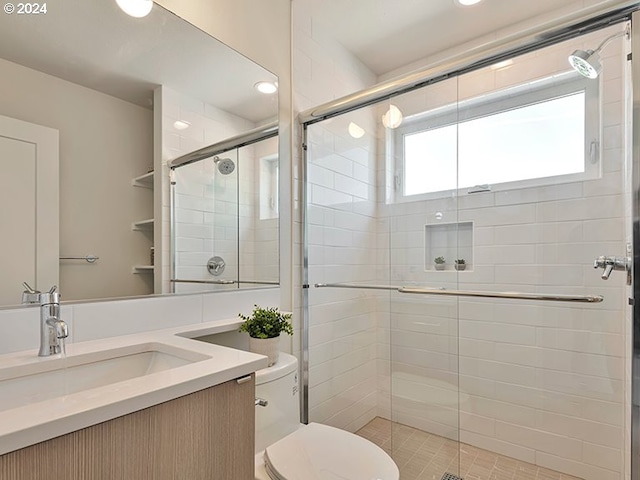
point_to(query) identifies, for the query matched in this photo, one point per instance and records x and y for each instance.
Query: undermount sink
(30, 383)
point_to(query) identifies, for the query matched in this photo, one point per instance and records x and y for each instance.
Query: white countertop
(36, 422)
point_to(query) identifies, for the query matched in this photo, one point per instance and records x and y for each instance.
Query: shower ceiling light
(392, 118)
(136, 8)
(466, 3)
(266, 87)
(355, 130)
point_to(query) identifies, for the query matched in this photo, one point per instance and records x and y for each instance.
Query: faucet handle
(28, 288)
(30, 295)
(53, 289)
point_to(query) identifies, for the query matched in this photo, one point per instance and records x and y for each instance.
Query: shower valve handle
(609, 264)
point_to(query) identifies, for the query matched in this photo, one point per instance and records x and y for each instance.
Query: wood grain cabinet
(205, 435)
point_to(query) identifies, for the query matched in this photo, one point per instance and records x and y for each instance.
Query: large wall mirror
(93, 105)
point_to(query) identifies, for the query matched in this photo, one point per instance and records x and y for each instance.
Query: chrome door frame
(635, 173)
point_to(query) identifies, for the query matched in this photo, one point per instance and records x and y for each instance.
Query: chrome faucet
(53, 330)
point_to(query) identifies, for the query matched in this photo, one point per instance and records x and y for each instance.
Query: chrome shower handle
(609, 264)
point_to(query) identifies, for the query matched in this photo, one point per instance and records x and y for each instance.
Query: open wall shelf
(144, 181)
(143, 224)
(143, 269)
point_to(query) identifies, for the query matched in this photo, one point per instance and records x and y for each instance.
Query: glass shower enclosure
(453, 314)
(224, 215)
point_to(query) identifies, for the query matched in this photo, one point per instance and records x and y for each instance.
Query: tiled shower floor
(423, 456)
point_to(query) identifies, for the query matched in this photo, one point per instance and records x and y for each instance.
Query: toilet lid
(320, 452)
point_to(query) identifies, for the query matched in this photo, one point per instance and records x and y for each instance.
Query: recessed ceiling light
(466, 3)
(136, 8)
(266, 87)
(181, 124)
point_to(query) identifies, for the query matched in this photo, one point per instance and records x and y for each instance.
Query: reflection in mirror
(102, 88)
(225, 216)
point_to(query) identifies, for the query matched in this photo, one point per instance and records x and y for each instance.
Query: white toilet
(288, 450)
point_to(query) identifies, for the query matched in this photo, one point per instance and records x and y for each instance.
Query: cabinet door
(206, 435)
(211, 437)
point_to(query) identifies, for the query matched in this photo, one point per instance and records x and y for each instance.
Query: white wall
(104, 143)
(259, 216)
(343, 382)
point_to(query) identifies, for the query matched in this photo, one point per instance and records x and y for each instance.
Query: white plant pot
(266, 346)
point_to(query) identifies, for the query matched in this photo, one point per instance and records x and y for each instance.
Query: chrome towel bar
(224, 282)
(208, 282)
(88, 258)
(471, 293)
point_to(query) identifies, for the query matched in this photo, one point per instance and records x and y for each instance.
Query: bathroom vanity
(204, 435)
(150, 406)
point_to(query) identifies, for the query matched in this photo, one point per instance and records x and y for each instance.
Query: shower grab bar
(225, 282)
(472, 293)
(88, 258)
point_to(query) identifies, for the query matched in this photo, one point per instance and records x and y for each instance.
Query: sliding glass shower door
(455, 315)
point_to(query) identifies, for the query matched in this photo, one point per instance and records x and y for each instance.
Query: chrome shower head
(225, 165)
(587, 63)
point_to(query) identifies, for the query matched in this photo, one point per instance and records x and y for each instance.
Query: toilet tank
(278, 385)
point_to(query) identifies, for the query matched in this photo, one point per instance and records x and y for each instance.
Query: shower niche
(451, 241)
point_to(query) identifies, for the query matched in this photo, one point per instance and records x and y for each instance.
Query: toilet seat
(320, 452)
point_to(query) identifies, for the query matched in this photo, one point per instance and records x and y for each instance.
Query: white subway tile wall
(542, 383)
(342, 229)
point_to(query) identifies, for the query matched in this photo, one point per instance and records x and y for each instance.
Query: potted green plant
(264, 327)
(439, 263)
(460, 264)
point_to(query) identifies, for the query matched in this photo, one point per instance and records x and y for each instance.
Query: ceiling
(388, 34)
(94, 44)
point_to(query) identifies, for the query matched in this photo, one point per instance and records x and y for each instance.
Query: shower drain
(450, 476)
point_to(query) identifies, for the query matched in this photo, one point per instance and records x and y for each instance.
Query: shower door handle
(609, 264)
